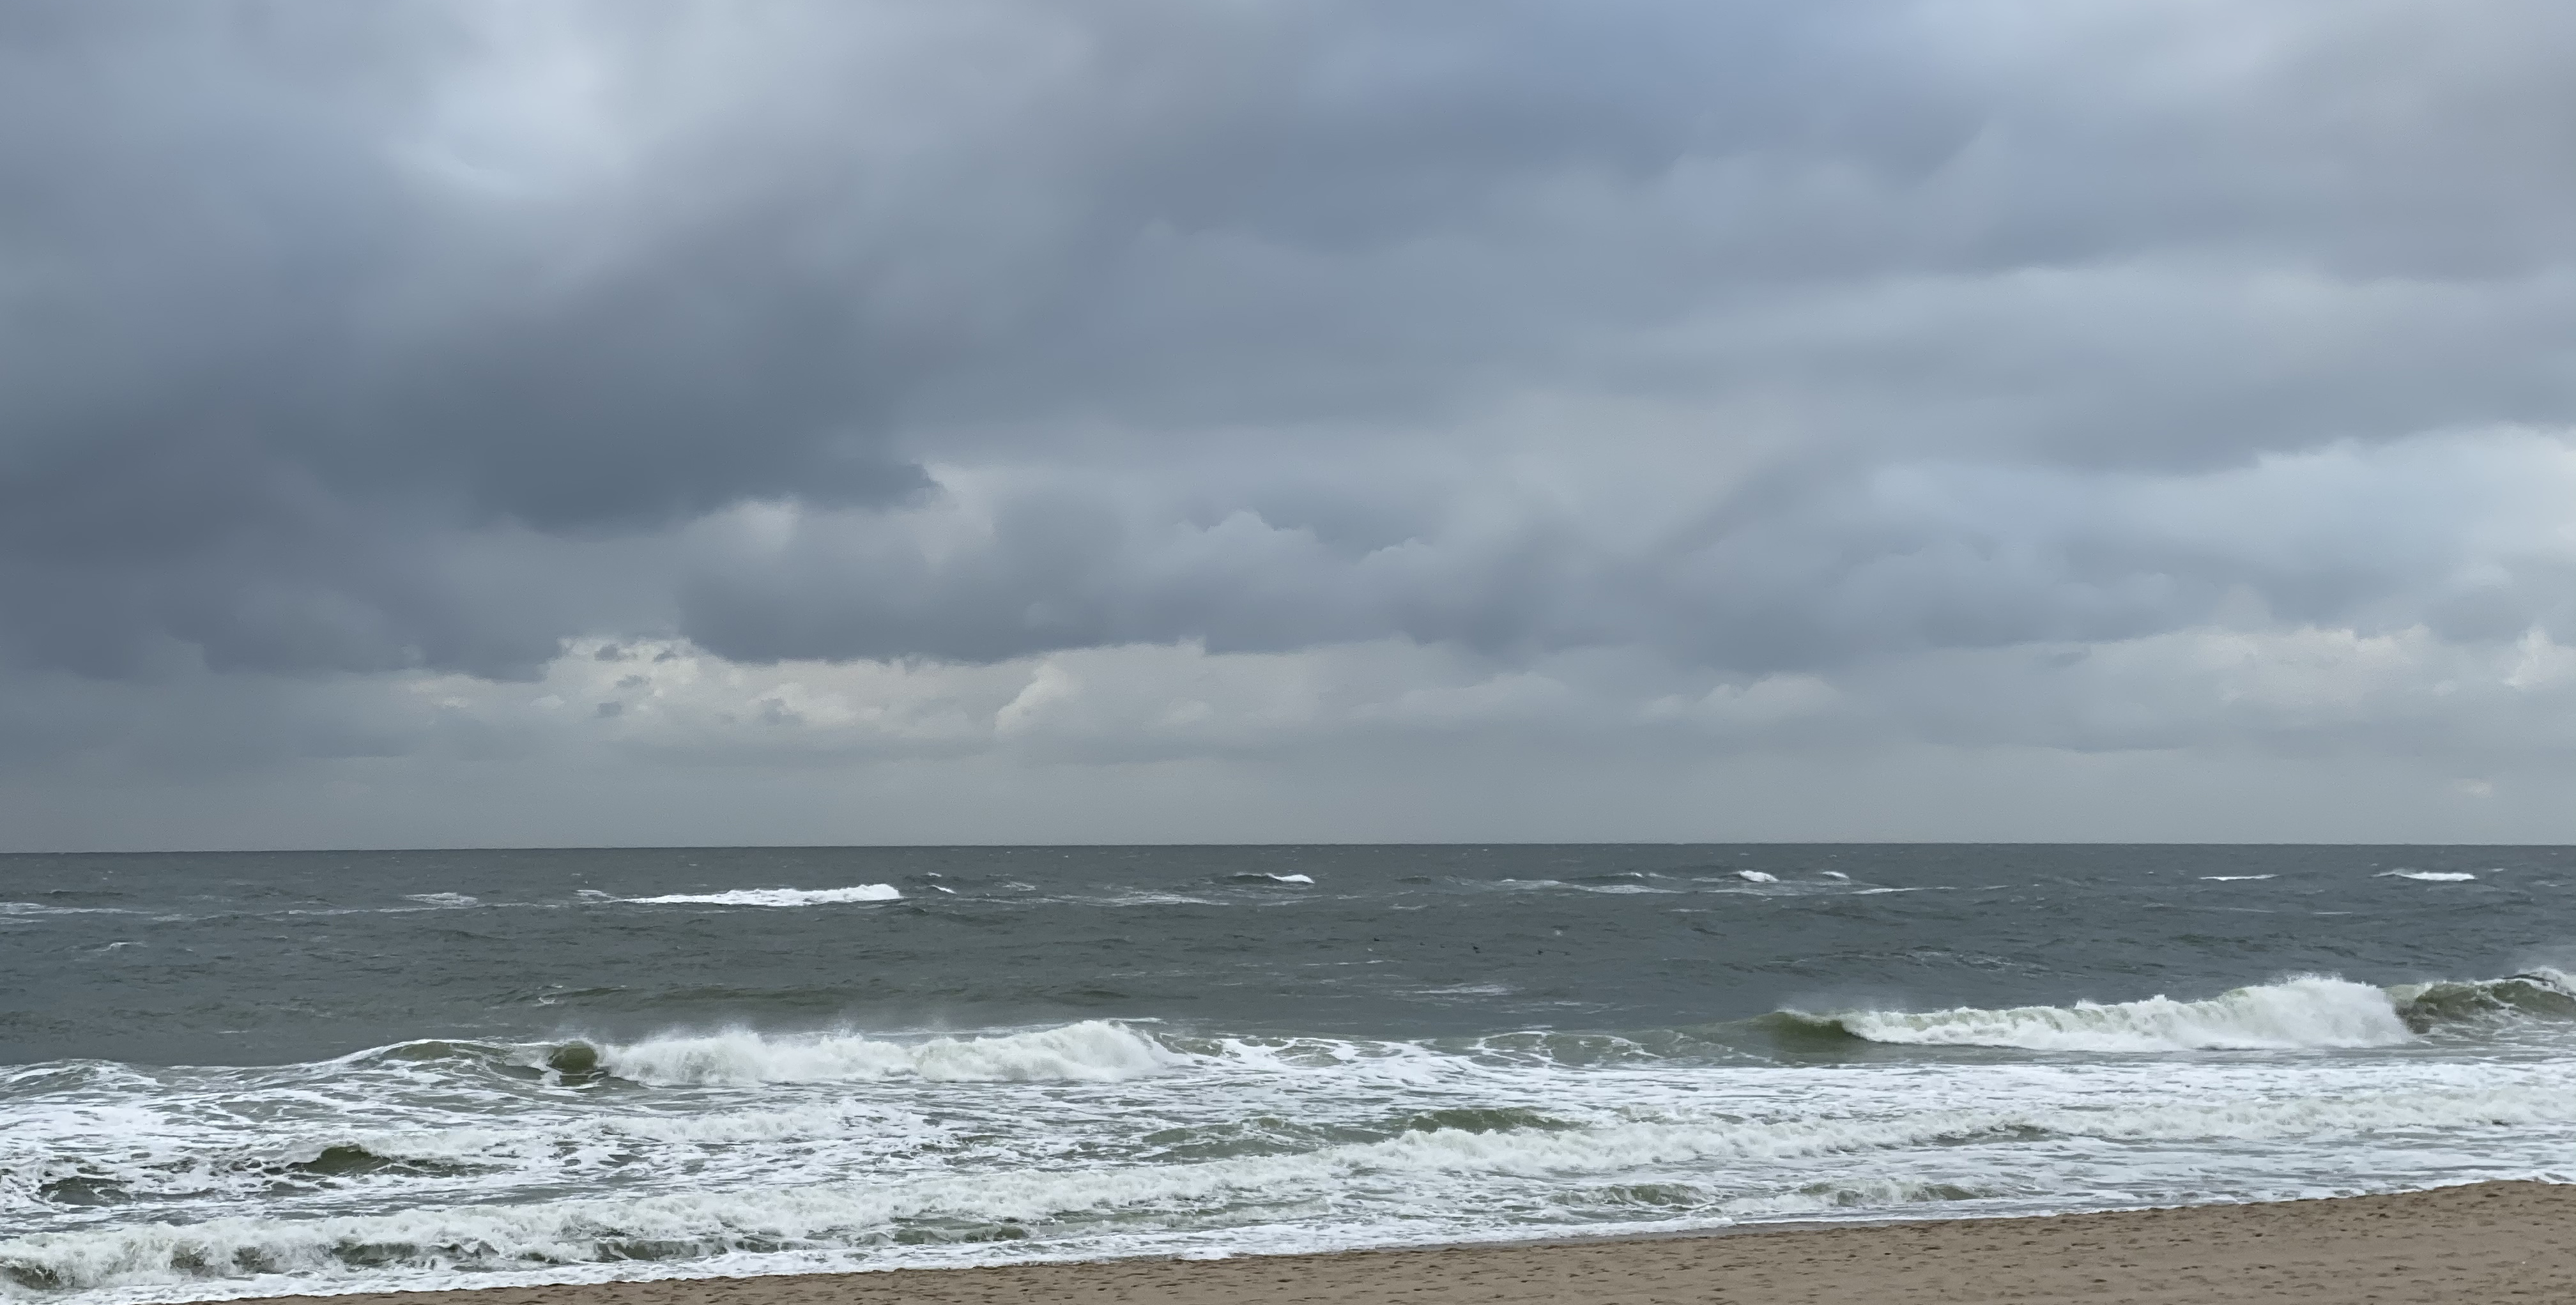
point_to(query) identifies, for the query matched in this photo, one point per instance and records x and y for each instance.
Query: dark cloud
(257, 367)
(2463, 533)
(1764, 338)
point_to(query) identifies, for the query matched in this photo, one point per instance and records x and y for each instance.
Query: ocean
(254, 1074)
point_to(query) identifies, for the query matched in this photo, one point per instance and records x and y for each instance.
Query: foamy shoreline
(2481, 1242)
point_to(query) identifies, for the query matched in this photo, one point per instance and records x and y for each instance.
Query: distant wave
(2305, 1012)
(442, 899)
(1757, 876)
(2231, 879)
(1266, 878)
(775, 896)
(1604, 885)
(2428, 876)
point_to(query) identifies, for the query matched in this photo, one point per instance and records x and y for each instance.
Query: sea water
(232, 1075)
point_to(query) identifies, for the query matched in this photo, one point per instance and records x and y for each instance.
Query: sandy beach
(2482, 1243)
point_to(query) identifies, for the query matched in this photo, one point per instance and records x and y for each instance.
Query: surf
(1093, 1051)
(2303, 1012)
(1440, 1160)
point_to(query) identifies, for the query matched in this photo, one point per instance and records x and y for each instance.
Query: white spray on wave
(1094, 1051)
(2303, 1012)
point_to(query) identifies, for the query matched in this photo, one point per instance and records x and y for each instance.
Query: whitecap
(775, 896)
(1093, 1051)
(2310, 1011)
(2428, 876)
(1613, 890)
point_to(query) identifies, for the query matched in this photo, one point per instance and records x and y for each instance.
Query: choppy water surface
(253, 1074)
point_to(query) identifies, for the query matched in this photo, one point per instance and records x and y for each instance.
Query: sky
(538, 422)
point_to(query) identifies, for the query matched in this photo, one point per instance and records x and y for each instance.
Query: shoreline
(2490, 1241)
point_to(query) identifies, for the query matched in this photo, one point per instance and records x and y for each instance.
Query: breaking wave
(2305, 1012)
(1094, 1051)
(2428, 876)
(2308, 1011)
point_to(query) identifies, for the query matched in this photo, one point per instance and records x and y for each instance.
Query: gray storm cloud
(343, 345)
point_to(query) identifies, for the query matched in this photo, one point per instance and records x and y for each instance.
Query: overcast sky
(1225, 420)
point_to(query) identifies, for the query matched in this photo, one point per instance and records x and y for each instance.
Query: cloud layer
(1041, 387)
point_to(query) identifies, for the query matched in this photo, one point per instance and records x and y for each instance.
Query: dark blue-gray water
(253, 1073)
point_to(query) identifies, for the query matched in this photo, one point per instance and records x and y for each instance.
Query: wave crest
(2309, 1011)
(1094, 1051)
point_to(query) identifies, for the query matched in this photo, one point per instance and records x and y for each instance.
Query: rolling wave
(2304, 1012)
(2540, 994)
(1094, 1051)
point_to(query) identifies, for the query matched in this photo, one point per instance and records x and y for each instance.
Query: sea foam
(1437, 1167)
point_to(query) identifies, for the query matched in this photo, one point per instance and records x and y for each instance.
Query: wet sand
(2492, 1242)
